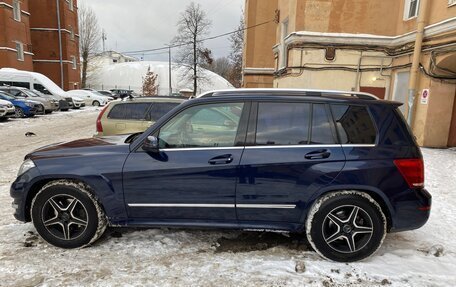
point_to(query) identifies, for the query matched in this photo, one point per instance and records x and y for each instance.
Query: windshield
(30, 93)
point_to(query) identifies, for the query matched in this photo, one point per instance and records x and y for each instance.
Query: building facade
(42, 39)
(363, 45)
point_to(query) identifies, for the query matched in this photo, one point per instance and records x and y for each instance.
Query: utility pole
(60, 44)
(103, 39)
(169, 71)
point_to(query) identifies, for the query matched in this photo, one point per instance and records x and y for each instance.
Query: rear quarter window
(354, 124)
(130, 111)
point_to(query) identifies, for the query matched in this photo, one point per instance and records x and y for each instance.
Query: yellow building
(396, 49)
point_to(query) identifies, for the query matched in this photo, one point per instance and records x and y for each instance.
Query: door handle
(221, 159)
(318, 154)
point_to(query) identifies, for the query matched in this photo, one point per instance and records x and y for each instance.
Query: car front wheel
(19, 113)
(346, 226)
(96, 103)
(66, 214)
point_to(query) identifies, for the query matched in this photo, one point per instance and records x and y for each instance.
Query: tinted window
(211, 125)
(321, 129)
(133, 111)
(41, 88)
(21, 84)
(354, 124)
(160, 109)
(283, 124)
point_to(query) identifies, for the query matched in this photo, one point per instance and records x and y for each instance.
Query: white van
(36, 81)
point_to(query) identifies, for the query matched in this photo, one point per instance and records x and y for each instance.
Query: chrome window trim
(267, 147)
(205, 205)
(202, 148)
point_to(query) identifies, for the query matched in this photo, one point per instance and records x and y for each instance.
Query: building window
(20, 51)
(411, 9)
(17, 10)
(71, 33)
(284, 48)
(73, 62)
(71, 5)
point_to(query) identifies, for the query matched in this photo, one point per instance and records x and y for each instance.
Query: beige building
(361, 45)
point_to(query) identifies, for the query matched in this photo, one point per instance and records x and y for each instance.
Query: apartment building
(362, 45)
(43, 37)
(15, 38)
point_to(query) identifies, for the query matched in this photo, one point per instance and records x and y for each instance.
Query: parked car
(90, 97)
(109, 94)
(64, 104)
(18, 92)
(102, 92)
(122, 93)
(36, 81)
(132, 116)
(342, 168)
(23, 107)
(6, 109)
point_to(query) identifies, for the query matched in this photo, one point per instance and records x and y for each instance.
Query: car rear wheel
(19, 113)
(96, 103)
(346, 226)
(67, 215)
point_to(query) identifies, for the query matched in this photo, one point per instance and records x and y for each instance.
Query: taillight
(412, 170)
(99, 126)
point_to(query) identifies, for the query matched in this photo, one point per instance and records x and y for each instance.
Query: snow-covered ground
(170, 257)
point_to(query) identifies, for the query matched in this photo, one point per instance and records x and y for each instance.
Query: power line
(202, 40)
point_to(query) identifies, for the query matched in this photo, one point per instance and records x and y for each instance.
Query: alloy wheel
(64, 216)
(347, 228)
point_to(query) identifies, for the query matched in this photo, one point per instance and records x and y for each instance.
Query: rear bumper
(412, 211)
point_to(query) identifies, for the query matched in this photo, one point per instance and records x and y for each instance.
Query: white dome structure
(130, 76)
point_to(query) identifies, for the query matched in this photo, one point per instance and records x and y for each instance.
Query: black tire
(346, 226)
(19, 113)
(96, 103)
(66, 214)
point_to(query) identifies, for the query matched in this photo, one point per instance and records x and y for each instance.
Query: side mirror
(150, 144)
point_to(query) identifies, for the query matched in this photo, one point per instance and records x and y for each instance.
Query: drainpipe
(60, 43)
(414, 71)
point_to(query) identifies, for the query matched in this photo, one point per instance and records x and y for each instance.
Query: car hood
(82, 147)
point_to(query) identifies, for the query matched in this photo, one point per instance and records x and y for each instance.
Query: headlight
(28, 104)
(26, 165)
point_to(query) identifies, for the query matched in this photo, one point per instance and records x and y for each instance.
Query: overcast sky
(133, 25)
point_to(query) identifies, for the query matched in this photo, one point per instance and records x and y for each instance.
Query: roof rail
(301, 92)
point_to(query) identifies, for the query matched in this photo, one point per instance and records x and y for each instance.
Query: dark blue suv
(342, 168)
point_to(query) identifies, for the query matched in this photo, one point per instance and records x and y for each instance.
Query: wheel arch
(38, 185)
(376, 195)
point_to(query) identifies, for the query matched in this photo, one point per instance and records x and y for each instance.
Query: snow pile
(130, 76)
(181, 257)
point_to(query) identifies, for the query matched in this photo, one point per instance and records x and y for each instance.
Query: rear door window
(354, 124)
(133, 111)
(321, 127)
(283, 124)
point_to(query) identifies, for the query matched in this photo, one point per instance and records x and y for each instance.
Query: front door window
(212, 125)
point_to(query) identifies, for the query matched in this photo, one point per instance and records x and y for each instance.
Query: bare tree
(89, 37)
(221, 66)
(150, 86)
(237, 44)
(192, 26)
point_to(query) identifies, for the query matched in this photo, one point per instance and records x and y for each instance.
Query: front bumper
(19, 191)
(78, 105)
